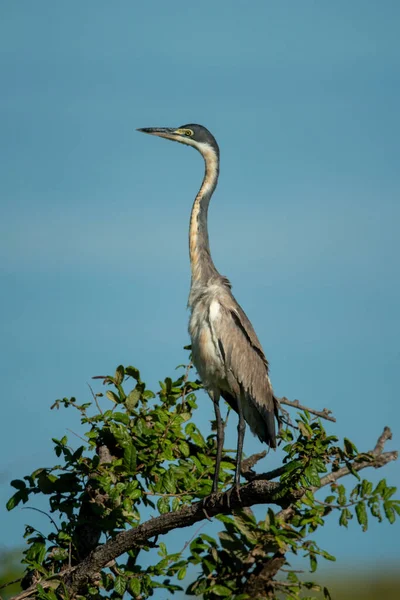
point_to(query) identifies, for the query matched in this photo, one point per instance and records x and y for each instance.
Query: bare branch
(268, 476)
(4, 585)
(246, 467)
(324, 414)
(95, 399)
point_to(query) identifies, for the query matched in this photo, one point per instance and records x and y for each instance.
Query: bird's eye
(188, 132)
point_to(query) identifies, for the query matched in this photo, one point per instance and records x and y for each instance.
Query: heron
(225, 348)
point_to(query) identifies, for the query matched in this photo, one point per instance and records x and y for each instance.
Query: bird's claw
(234, 488)
(203, 507)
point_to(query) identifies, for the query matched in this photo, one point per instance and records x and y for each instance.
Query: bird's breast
(205, 349)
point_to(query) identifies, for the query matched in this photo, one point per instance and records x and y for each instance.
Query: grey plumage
(226, 351)
(237, 368)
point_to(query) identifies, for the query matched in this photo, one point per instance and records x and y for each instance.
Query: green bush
(145, 455)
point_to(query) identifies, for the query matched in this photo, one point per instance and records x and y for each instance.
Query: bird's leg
(220, 446)
(239, 452)
(241, 430)
(220, 443)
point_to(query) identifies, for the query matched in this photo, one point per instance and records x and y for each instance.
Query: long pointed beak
(167, 132)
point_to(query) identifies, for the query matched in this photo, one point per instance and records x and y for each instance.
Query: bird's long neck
(203, 268)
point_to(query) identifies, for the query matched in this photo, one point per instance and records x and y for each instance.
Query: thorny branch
(255, 492)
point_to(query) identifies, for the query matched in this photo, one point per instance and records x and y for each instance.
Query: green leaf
(135, 494)
(120, 585)
(119, 375)
(175, 504)
(305, 430)
(328, 556)
(327, 594)
(121, 434)
(181, 573)
(366, 487)
(111, 396)
(221, 590)
(121, 418)
(18, 484)
(132, 399)
(388, 492)
(313, 562)
(184, 448)
(380, 487)
(396, 506)
(37, 552)
(198, 439)
(375, 509)
(242, 522)
(345, 515)
(133, 372)
(130, 458)
(163, 505)
(134, 586)
(341, 494)
(389, 512)
(349, 447)
(14, 501)
(312, 475)
(169, 482)
(329, 499)
(362, 516)
(292, 577)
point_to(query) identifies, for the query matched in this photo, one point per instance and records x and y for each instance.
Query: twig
(77, 435)
(4, 585)
(186, 544)
(45, 584)
(324, 414)
(95, 399)
(43, 513)
(293, 570)
(186, 377)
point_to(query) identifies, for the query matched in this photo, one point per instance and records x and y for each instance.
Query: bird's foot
(234, 488)
(203, 507)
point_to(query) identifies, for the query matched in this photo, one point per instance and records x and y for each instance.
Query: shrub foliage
(146, 469)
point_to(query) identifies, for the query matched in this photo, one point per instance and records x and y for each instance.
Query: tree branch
(324, 414)
(259, 583)
(255, 492)
(377, 459)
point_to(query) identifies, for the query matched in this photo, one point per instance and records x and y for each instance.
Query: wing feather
(246, 370)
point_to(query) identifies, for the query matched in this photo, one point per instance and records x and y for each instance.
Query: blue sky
(303, 99)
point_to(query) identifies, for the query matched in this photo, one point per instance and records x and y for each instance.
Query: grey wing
(246, 372)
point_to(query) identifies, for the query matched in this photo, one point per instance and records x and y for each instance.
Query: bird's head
(196, 136)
